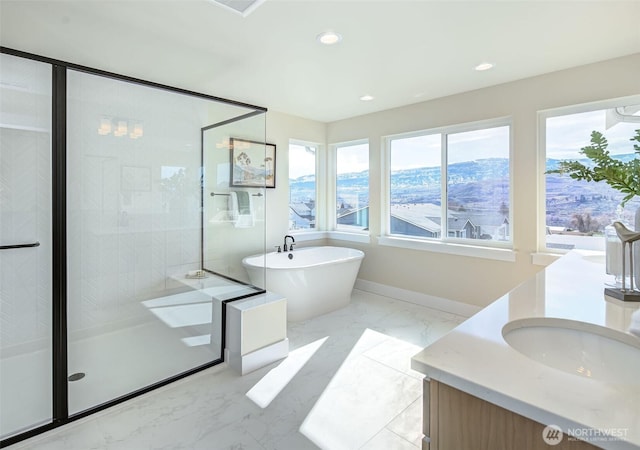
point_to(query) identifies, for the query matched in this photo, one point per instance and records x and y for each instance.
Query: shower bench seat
(256, 331)
(254, 326)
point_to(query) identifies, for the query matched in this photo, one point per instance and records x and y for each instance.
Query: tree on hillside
(584, 223)
(504, 209)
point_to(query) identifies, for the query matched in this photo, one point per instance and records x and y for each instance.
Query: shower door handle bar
(10, 247)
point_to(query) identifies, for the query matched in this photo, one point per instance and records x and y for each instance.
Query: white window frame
(320, 173)
(542, 257)
(332, 188)
(458, 246)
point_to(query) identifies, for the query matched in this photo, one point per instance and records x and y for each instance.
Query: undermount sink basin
(578, 348)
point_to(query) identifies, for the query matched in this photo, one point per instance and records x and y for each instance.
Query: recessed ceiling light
(483, 66)
(329, 38)
(366, 98)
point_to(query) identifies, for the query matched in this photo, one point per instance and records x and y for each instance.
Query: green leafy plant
(621, 176)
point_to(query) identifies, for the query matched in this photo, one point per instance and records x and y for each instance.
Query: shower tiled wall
(133, 203)
(25, 196)
(25, 205)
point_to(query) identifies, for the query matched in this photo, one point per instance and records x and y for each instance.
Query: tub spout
(285, 242)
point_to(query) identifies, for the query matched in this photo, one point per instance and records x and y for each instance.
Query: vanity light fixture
(329, 38)
(105, 127)
(223, 144)
(483, 66)
(137, 131)
(367, 98)
(120, 127)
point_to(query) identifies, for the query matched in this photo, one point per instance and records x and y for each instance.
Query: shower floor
(114, 364)
(181, 332)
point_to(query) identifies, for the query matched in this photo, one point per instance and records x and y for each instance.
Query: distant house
(421, 219)
(469, 225)
(302, 216)
(491, 226)
(358, 217)
(407, 228)
(462, 228)
(424, 220)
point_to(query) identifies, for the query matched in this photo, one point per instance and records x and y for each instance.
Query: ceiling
(400, 52)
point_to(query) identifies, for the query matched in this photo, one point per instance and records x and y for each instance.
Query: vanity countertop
(475, 358)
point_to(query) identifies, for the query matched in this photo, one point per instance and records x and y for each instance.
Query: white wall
(472, 280)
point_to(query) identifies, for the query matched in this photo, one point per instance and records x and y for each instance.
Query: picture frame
(253, 163)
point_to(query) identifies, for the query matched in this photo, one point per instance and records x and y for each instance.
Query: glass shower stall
(122, 229)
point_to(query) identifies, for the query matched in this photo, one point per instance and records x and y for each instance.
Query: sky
(352, 158)
(566, 135)
(301, 161)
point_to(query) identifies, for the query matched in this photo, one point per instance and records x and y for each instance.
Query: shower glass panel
(25, 240)
(237, 168)
(141, 309)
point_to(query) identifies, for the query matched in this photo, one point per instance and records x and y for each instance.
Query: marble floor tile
(397, 354)
(355, 389)
(359, 401)
(387, 440)
(408, 423)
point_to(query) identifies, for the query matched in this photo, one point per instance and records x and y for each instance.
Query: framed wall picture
(253, 164)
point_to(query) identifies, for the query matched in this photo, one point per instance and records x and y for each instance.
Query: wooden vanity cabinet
(455, 420)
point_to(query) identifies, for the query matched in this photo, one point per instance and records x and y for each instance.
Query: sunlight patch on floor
(268, 388)
(364, 395)
(195, 341)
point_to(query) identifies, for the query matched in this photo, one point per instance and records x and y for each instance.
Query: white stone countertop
(475, 358)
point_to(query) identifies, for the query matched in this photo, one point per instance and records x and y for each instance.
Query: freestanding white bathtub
(315, 281)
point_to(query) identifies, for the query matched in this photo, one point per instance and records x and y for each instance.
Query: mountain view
(483, 186)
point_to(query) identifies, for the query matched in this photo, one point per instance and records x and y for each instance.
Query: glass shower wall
(140, 309)
(25, 245)
(237, 168)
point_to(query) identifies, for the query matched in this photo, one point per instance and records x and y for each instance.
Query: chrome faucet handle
(291, 247)
(278, 248)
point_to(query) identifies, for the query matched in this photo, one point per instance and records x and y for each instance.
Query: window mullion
(444, 222)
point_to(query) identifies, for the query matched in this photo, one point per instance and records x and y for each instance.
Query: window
(415, 186)
(475, 196)
(576, 212)
(352, 187)
(302, 186)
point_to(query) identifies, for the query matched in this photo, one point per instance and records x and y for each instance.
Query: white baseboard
(418, 298)
(259, 358)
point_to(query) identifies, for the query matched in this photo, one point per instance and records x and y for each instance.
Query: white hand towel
(634, 327)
